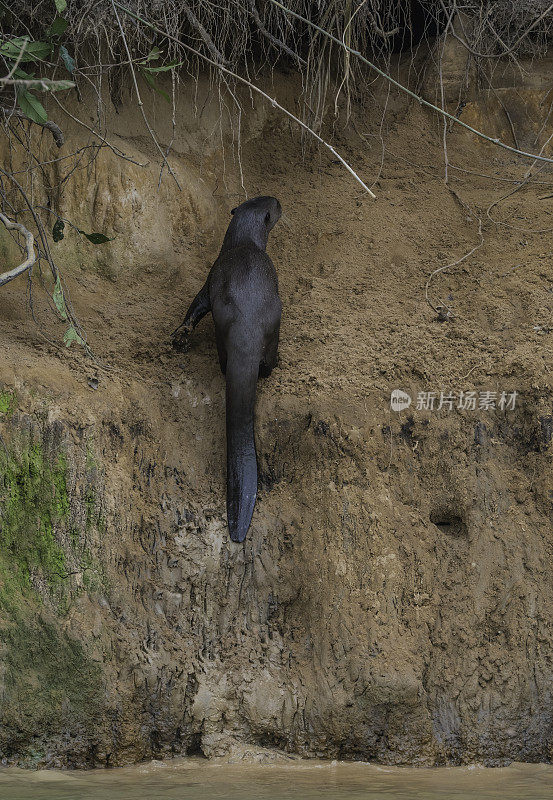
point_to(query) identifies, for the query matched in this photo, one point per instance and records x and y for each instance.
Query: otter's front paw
(181, 339)
(181, 336)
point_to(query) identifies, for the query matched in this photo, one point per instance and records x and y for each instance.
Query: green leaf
(96, 238)
(59, 301)
(150, 81)
(57, 230)
(58, 27)
(61, 5)
(33, 51)
(20, 73)
(71, 335)
(154, 54)
(31, 107)
(68, 60)
(165, 67)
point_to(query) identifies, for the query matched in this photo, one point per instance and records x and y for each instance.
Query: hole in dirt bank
(195, 746)
(398, 26)
(449, 522)
(272, 741)
(417, 23)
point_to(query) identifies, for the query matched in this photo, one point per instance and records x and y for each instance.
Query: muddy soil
(393, 600)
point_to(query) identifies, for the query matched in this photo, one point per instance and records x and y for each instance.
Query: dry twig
(443, 311)
(254, 88)
(29, 248)
(403, 88)
(54, 129)
(207, 40)
(139, 99)
(273, 39)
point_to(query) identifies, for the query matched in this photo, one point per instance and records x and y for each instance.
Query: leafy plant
(22, 50)
(57, 28)
(148, 71)
(71, 336)
(97, 238)
(57, 230)
(59, 299)
(31, 106)
(68, 60)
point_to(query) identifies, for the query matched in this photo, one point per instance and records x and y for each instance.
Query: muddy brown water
(197, 778)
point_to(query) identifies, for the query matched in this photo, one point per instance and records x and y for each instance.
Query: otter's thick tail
(241, 373)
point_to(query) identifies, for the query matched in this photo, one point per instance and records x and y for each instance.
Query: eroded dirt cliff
(393, 600)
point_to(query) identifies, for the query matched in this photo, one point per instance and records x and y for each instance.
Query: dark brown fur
(241, 291)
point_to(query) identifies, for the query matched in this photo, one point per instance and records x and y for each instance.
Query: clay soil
(393, 600)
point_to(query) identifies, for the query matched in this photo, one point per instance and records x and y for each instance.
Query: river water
(196, 779)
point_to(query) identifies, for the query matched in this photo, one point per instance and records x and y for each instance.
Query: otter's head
(264, 211)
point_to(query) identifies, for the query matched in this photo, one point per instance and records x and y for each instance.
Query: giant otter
(241, 291)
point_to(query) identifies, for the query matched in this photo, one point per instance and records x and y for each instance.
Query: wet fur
(241, 291)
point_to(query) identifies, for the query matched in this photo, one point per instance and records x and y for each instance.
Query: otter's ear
(267, 217)
(233, 210)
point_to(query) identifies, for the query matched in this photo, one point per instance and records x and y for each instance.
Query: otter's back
(243, 285)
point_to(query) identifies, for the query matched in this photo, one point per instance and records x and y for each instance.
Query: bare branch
(104, 142)
(40, 227)
(56, 132)
(29, 247)
(378, 26)
(276, 42)
(403, 88)
(507, 51)
(195, 22)
(254, 88)
(139, 99)
(42, 84)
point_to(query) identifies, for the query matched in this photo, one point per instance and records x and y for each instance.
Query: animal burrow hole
(449, 521)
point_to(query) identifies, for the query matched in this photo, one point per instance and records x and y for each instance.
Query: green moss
(49, 682)
(8, 403)
(90, 458)
(49, 686)
(33, 500)
(59, 478)
(94, 577)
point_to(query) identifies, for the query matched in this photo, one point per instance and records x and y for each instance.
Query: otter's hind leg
(270, 356)
(199, 307)
(221, 351)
